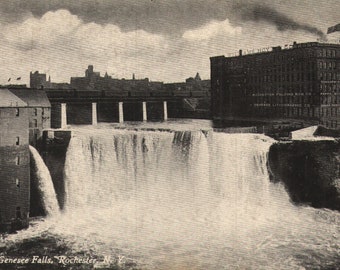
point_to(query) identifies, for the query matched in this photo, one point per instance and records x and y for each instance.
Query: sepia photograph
(169, 135)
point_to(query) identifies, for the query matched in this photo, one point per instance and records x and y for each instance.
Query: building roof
(33, 97)
(8, 99)
(276, 49)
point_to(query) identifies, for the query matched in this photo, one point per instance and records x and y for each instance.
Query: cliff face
(54, 154)
(310, 171)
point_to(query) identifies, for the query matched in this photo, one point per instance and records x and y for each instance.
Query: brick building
(298, 83)
(39, 111)
(14, 161)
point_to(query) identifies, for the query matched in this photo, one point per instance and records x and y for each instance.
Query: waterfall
(183, 200)
(104, 169)
(169, 187)
(45, 184)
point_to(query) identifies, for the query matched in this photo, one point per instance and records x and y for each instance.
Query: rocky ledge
(310, 171)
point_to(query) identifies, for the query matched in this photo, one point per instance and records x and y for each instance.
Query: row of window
(330, 99)
(298, 89)
(281, 94)
(330, 87)
(277, 69)
(286, 112)
(330, 111)
(329, 76)
(35, 111)
(283, 68)
(283, 91)
(296, 111)
(326, 53)
(286, 100)
(296, 99)
(328, 64)
(290, 77)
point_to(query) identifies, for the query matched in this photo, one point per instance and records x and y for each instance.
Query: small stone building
(39, 111)
(14, 161)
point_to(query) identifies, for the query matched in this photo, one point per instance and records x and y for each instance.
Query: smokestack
(240, 52)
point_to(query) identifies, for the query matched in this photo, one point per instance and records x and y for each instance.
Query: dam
(178, 196)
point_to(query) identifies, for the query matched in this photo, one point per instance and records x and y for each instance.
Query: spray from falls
(45, 184)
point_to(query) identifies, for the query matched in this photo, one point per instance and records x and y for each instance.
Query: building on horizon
(14, 162)
(39, 81)
(191, 84)
(93, 81)
(300, 83)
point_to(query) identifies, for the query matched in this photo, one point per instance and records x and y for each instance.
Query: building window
(18, 212)
(17, 182)
(35, 111)
(17, 161)
(17, 141)
(35, 123)
(17, 112)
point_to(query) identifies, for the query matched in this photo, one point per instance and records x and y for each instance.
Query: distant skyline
(164, 40)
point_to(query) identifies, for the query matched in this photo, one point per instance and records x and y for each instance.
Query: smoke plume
(282, 22)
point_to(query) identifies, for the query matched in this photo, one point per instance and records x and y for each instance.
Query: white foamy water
(45, 184)
(186, 200)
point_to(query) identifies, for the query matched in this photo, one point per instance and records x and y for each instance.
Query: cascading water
(45, 184)
(188, 200)
(184, 200)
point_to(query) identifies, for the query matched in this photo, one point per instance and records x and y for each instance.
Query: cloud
(168, 17)
(60, 26)
(163, 40)
(46, 31)
(62, 45)
(62, 41)
(212, 29)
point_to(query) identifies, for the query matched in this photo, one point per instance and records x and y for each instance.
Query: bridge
(72, 106)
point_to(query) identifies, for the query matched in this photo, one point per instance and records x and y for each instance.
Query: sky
(163, 40)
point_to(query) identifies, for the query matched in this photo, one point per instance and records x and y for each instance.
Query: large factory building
(297, 83)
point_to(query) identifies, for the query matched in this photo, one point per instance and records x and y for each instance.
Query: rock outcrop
(310, 171)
